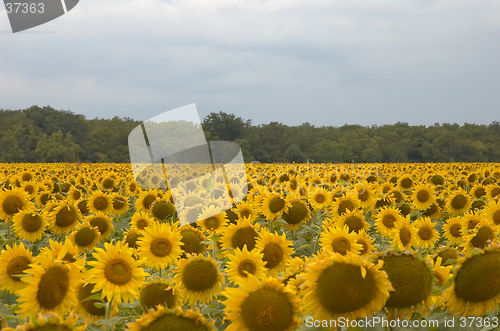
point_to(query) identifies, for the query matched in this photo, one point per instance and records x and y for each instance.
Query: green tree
(225, 126)
(294, 154)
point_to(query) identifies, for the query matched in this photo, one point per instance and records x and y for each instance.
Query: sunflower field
(85, 247)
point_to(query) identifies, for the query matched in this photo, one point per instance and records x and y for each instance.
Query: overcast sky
(326, 62)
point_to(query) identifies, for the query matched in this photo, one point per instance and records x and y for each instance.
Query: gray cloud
(292, 61)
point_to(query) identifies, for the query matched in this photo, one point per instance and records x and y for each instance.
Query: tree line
(44, 134)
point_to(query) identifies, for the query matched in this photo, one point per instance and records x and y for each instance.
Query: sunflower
(427, 234)
(441, 273)
(160, 291)
(85, 237)
(273, 205)
(406, 183)
(480, 236)
(354, 220)
(85, 307)
(74, 194)
(116, 273)
(404, 235)
(14, 260)
(145, 201)
(42, 198)
(212, 220)
(29, 225)
(119, 203)
(475, 289)
(492, 191)
(339, 240)
(366, 241)
(242, 263)
(64, 218)
(297, 214)
(275, 249)
(423, 196)
(50, 321)
(13, 201)
(160, 245)
(344, 286)
(191, 214)
(478, 191)
(458, 202)
(140, 221)
(341, 205)
(366, 194)
(131, 237)
(100, 202)
(262, 305)
(319, 198)
(176, 319)
(66, 252)
(162, 209)
(453, 231)
(386, 220)
(412, 280)
(491, 211)
(51, 286)
(192, 240)
(31, 188)
(102, 222)
(198, 278)
(243, 232)
(245, 209)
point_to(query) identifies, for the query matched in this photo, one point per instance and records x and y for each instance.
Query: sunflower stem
(214, 247)
(108, 309)
(316, 243)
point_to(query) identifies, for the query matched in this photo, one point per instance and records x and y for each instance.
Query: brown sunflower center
(248, 266)
(148, 201)
(354, 223)
(31, 222)
(484, 234)
(296, 213)
(108, 183)
(478, 279)
(192, 242)
(212, 223)
(276, 204)
(425, 232)
(83, 207)
(162, 209)
(344, 206)
(273, 255)
(455, 230)
(388, 220)
(448, 254)
(157, 294)
(364, 195)
(118, 203)
(85, 236)
(29, 188)
(406, 183)
(76, 194)
(199, 275)
(132, 238)
(458, 202)
(341, 288)
(12, 204)
(101, 223)
(479, 192)
(101, 203)
(471, 224)
(16, 266)
(118, 271)
(244, 213)
(141, 224)
(431, 210)
(437, 180)
(160, 247)
(495, 191)
(66, 217)
(405, 236)
(53, 287)
(173, 322)
(411, 279)
(319, 198)
(423, 195)
(341, 245)
(244, 236)
(267, 310)
(89, 305)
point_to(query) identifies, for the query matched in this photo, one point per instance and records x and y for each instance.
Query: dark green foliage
(45, 134)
